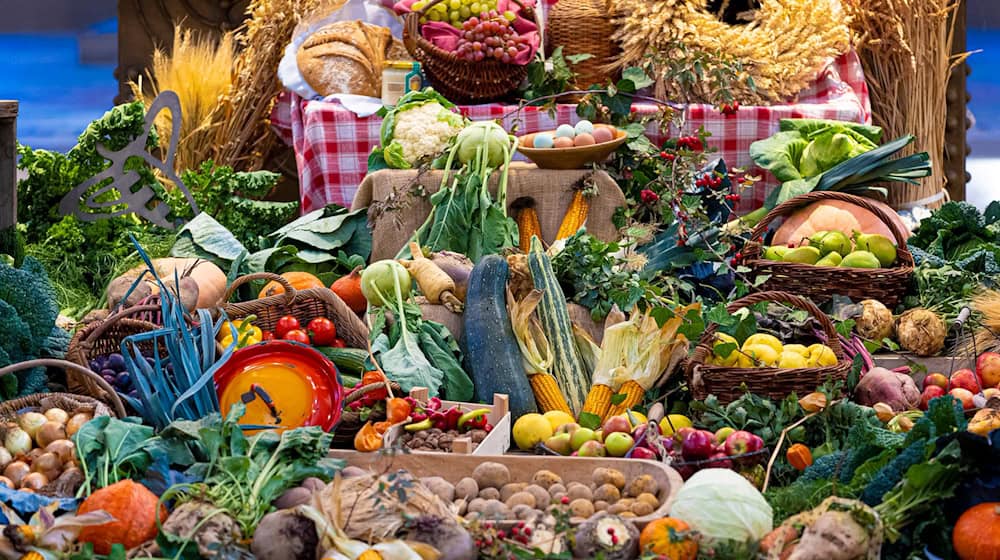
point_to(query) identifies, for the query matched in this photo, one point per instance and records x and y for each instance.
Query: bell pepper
(397, 410)
(372, 377)
(424, 424)
(473, 419)
(246, 332)
(368, 439)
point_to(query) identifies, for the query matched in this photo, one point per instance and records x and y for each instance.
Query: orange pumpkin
(976, 535)
(348, 288)
(668, 538)
(298, 280)
(833, 215)
(135, 511)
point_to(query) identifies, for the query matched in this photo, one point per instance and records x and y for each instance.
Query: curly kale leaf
(27, 317)
(893, 472)
(951, 231)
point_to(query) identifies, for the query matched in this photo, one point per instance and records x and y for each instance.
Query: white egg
(565, 131)
(543, 141)
(584, 127)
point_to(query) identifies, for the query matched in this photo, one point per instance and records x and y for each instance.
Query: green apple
(581, 436)
(560, 444)
(722, 433)
(593, 448)
(618, 444)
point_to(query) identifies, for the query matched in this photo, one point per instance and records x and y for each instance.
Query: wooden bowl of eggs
(571, 147)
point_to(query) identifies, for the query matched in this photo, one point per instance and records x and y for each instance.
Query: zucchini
(492, 355)
(350, 361)
(568, 368)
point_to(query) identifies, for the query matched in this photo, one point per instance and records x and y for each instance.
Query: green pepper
(425, 424)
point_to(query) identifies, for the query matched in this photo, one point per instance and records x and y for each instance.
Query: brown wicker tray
(66, 401)
(820, 283)
(775, 383)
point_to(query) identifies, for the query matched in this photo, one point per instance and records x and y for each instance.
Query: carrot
(434, 283)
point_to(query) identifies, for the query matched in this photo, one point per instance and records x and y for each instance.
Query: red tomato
(285, 324)
(339, 343)
(297, 335)
(322, 331)
(266, 335)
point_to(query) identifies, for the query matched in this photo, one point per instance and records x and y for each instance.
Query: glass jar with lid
(399, 77)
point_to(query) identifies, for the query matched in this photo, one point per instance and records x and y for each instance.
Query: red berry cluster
(733, 197)
(614, 537)
(729, 108)
(692, 143)
(489, 36)
(667, 156)
(711, 180)
(648, 197)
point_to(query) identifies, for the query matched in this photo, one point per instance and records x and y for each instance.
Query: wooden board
(497, 442)
(454, 467)
(8, 163)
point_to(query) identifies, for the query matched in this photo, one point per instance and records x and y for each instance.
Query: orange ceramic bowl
(576, 157)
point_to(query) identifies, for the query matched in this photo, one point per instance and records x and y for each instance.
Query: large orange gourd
(135, 511)
(298, 280)
(976, 535)
(833, 215)
(667, 538)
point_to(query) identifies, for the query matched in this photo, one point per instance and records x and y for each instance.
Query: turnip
(895, 389)
(445, 535)
(921, 331)
(488, 134)
(377, 282)
(285, 534)
(835, 535)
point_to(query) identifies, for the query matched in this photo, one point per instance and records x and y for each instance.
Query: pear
(830, 241)
(860, 259)
(775, 252)
(832, 258)
(803, 255)
(879, 245)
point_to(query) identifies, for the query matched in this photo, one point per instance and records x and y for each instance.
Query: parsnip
(434, 283)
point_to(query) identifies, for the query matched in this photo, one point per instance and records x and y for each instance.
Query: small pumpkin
(209, 278)
(135, 510)
(668, 537)
(834, 215)
(976, 535)
(348, 288)
(799, 456)
(298, 280)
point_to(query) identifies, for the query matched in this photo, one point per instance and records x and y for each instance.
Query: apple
(599, 435)
(938, 379)
(592, 448)
(618, 444)
(617, 424)
(965, 396)
(991, 392)
(720, 460)
(685, 471)
(643, 453)
(740, 442)
(722, 433)
(581, 436)
(930, 392)
(568, 428)
(560, 443)
(965, 379)
(988, 368)
(697, 445)
(681, 434)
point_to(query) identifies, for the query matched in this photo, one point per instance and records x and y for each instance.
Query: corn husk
(536, 352)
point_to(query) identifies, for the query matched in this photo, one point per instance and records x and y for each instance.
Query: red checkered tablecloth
(332, 144)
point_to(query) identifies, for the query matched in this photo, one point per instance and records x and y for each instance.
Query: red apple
(616, 424)
(592, 448)
(722, 433)
(938, 379)
(679, 435)
(965, 379)
(930, 392)
(720, 461)
(963, 395)
(643, 453)
(641, 429)
(697, 445)
(740, 442)
(988, 368)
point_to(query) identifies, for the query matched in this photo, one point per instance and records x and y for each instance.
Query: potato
(352, 471)
(648, 498)
(581, 508)
(466, 488)
(476, 505)
(546, 479)
(580, 492)
(523, 512)
(491, 475)
(489, 494)
(617, 509)
(520, 498)
(555, 489)
(628, 514)
(293, 497)
(641, 508)
(542, 497)
(607, 493)
(600, 505)
(602, 476)
(510, 489)
(440, 487)
(313, 484)
(643, 484)
(494, 509)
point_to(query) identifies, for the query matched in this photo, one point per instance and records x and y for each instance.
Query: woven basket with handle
(69, 402)
(820, 283)
(304, 305)
(350, 419)
(775, 383)
(460, 80)
(583, 27)
(101, 338)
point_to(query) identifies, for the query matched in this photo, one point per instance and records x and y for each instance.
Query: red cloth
(332, 144)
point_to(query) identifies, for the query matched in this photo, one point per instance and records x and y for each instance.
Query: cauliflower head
(425, 130)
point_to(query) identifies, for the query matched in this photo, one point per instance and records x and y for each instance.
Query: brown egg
(583, 140)
(528, 140)
(603, 134)
(563, 142)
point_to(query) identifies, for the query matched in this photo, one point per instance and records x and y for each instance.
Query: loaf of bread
(347, 57)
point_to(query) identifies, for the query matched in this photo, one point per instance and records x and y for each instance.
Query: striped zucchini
(570, 373)
(350, 361)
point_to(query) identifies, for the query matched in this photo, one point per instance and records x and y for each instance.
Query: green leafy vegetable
(552, 75)
(28, 314)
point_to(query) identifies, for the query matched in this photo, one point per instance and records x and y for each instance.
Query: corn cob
(527, 225)
(633, 396)
(575, 217)
(598, 400)
(547, 393)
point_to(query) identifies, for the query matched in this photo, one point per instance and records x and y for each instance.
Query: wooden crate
(8, 163)
(497, 442)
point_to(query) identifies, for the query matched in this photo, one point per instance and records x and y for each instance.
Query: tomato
(339, 343)
(267, 335)
(297, 335)
(322, 331)
(285, 324)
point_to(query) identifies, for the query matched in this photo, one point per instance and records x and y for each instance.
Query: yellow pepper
(247, 333)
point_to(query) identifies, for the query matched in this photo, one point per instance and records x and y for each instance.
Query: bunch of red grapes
(490, 36)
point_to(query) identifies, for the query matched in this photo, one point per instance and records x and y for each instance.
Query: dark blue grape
(116, 362)
(109, 378)
(95, 365)
(124, 380)
(107, 372)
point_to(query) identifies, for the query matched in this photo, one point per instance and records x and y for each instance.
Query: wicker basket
(459, 80)
(583, 27)
(775, 383)
(304, 305)
(820, 283)
(350, 420)
(66, 401)
(101, 338)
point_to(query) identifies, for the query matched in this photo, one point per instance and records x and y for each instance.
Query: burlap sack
(398, 212)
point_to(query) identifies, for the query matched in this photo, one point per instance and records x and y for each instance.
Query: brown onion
(30, 422)
(7, 482)
(5, 457)
(76, 422)
(57, 415)
(64, 448)
(46, 463)
(49, 432)
(16, 471)
(34, 481)
(34, 454)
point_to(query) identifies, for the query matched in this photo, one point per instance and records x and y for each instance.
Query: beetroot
(886, 386)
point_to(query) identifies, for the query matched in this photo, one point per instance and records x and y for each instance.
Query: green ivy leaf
(618, 398)
(590, 420)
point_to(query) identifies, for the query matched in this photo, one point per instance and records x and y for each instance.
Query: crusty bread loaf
(347, 57)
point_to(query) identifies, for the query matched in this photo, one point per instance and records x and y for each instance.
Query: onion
(76, 422)
(63, 448)
(31, 421)
(16, 471)
(46, 463)
(17, 441)
(33, 454)
(57, 415)
(34, 481)
(7, 482)
(5, 457)
(49, 432)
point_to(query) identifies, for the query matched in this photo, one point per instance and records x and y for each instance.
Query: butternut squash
(833, 215)
(209, 278)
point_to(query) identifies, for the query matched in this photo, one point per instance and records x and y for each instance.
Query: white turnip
(892, 388)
